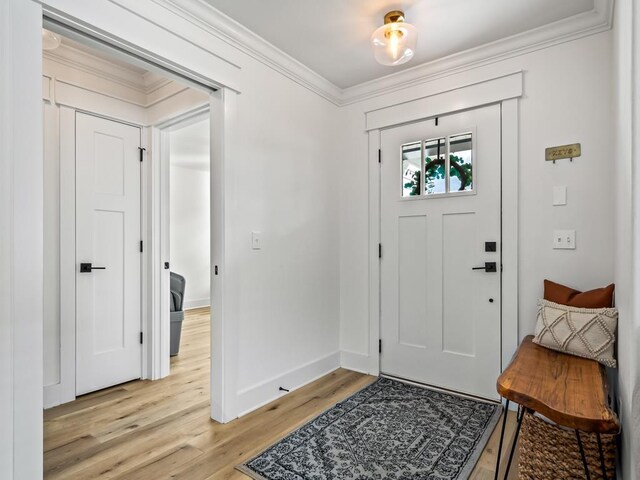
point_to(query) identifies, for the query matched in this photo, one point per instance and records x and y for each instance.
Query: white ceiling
(189, 146)
(332, 36)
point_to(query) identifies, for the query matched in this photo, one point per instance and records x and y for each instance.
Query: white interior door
(108, 285)
(440, 204)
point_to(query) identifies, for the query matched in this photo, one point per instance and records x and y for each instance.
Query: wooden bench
(568, 390)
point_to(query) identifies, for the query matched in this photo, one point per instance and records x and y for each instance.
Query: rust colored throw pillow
(598, 298)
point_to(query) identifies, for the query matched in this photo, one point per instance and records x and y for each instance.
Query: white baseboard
(56, 394)
(197, 303)
(358, 362)
(256, 396)
(51, 396)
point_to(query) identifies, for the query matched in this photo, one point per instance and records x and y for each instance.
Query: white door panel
(440, 319)
(108, 349)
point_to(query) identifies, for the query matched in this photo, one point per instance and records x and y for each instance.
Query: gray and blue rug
(388, 430)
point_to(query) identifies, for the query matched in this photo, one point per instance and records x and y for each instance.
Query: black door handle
(489, 267)
(87, 268)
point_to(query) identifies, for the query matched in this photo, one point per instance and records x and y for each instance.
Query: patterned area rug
(388, 430)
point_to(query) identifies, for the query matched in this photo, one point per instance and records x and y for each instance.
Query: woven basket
(550, 452)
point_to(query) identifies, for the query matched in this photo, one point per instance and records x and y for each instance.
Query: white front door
(108, 255)
(440, 219)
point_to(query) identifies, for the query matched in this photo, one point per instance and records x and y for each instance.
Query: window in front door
(447, 163)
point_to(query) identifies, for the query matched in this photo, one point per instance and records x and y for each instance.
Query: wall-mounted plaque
(552, 154)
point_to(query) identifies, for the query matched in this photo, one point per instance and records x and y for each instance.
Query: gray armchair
(177, 286)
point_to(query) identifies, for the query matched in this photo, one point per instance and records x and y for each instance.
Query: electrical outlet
(564, 239)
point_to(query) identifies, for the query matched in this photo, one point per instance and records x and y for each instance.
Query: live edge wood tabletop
(569, 390)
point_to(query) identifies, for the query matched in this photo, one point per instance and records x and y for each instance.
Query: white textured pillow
(585, 332)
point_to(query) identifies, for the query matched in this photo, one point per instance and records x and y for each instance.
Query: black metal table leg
(504, 424)
(582, 455)
(521, 412)
(602, 465)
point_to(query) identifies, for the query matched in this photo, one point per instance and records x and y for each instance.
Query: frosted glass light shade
(394, 43)
(50, 40)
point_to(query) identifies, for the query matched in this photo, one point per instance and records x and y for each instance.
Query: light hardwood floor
(159, 430)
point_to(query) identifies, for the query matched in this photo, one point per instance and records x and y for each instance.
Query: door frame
(505, 91)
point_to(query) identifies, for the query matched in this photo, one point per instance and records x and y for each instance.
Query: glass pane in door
(435, 153)
(411, 166)
(460, 163)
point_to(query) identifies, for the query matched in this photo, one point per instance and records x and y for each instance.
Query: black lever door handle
(87, 268)
(489, 267)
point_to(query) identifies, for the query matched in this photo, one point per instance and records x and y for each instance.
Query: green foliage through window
(431, 179)
(414, 184)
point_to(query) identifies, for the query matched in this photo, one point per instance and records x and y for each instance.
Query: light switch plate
(564, 239)
(256, 240)
(560, 195)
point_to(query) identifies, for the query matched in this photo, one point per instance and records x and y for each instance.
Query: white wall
(560, 105)
(282, 182)
(189, 211)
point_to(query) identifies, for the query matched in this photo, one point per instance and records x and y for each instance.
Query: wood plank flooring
(161, 430)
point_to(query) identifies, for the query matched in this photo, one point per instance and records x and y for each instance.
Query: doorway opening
(189, 239)
(107, 280)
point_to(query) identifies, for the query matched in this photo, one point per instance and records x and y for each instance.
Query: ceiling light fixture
(50, 40)
(394, 43)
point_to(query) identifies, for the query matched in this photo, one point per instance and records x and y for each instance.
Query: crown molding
(597, 20)
(219, 25)
(94, 65)
(216, 23)
(142, 89)
(154, 81)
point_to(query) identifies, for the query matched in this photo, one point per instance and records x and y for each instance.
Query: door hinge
(141, 335)
(142, 150)
(380, 346)
(379, 250)
(436, 121)
(141, 246)
(379, 156)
